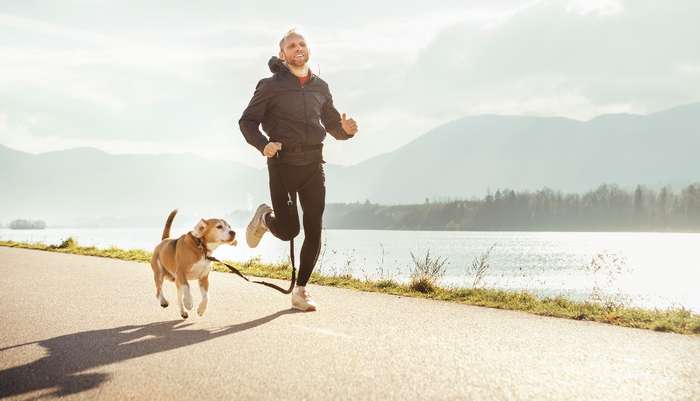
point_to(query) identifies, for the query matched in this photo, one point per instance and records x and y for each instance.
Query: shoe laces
(304, 294)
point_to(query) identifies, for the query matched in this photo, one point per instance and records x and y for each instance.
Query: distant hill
(466, 157)
(460, 159)
(88, 186)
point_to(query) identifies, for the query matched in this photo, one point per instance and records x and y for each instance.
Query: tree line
(23, 224)
(607, 208)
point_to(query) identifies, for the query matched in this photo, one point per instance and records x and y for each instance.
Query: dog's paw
(201, 309)
(184, 315)
(188, 303)
(164, 303)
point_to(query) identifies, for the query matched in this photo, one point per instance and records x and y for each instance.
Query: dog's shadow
(70, 355)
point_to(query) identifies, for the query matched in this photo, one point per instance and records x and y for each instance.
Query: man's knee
(288, 233)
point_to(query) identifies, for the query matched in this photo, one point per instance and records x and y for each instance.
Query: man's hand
(272, 148)
(349, 125)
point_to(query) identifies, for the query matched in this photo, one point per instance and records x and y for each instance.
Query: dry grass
(426, 272)
(479, 268)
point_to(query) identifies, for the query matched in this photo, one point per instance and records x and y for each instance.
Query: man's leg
(312, 195)
(313, 201)
(284, 222)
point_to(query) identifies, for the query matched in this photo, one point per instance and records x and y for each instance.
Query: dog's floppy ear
(199, 228)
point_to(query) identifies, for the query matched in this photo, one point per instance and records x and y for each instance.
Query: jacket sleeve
(253, 116)
(331, 119)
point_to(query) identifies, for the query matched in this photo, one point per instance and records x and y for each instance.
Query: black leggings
(310, 182)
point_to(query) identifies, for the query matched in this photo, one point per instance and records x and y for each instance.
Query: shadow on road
(72, 354)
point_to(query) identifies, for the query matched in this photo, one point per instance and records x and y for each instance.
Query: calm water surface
(644, 269)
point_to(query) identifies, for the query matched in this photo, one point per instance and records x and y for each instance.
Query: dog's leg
(203, 288)
(159, 287)
(163, 302)
(158, 278)
(184, 297)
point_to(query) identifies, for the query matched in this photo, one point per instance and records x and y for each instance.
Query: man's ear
(281, 56)
(199, 228)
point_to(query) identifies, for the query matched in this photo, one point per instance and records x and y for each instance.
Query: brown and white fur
(182, 259)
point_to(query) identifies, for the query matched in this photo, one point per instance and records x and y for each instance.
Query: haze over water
(637, 269)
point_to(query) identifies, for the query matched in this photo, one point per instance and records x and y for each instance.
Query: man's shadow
(71, 354)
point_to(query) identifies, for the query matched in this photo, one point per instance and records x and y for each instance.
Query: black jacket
(291, 114)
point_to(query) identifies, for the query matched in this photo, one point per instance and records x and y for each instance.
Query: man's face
(294, 51)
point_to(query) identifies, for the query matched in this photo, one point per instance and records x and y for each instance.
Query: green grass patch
(679, 321)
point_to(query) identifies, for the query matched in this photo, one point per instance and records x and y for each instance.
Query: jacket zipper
(306, 126)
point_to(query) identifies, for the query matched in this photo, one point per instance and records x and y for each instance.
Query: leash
(292, 206)
(293, 281)
(276, 287)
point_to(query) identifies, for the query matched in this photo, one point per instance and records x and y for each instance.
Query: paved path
(90, 328)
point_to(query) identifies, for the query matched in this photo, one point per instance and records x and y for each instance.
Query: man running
(296, 110)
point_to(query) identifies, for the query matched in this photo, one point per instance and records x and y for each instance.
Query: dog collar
(200, 244)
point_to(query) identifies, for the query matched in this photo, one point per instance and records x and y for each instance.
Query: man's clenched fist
(272, 148)
(349, 125)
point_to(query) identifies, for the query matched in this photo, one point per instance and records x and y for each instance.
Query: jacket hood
(276, 65)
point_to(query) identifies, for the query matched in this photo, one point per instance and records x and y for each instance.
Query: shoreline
(680, 321)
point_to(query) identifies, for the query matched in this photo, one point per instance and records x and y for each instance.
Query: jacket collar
(277, 66)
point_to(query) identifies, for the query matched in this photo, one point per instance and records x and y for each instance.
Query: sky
(174, 76)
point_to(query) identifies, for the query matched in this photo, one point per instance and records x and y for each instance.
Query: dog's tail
(168, 223)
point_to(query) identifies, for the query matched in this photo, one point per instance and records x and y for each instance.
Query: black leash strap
(293, 281)
(276, 287)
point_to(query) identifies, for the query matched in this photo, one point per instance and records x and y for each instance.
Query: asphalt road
(90, 328)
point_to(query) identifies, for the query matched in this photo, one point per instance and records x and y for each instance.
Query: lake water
(643, 269)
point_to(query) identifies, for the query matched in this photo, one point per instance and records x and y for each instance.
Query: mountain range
(461, 159)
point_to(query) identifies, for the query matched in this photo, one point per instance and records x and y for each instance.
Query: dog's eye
(219, 227)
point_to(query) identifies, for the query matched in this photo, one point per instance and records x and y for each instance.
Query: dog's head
(215, 232)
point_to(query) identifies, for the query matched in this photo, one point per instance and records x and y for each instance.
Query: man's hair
(289, 34)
